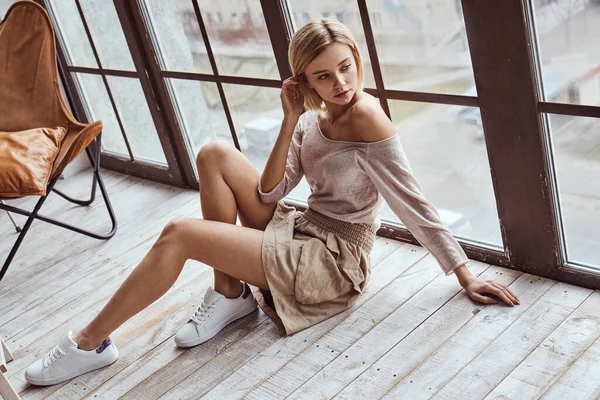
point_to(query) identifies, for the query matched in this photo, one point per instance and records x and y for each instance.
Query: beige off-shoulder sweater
(351, 180)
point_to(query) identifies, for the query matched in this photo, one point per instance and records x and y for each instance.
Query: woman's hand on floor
(487, 291)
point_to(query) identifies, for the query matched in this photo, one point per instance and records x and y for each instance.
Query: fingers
(490, 288)
(495, 289)
(294, 80)
(507, 292)
(293, 91)
(513, 295)
(289, 85)
(482, 299)
(291, 81)
(502, 296)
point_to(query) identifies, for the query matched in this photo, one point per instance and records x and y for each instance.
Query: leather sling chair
(39, 136)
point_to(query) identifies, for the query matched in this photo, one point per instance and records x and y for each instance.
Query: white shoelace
(53, 356)
(203, 313)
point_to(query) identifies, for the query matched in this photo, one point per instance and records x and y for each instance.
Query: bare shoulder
(369, 122)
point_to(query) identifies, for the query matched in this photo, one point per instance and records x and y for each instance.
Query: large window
(214, 58)
(446, 150)
(100, 62)
(422, 46)
(496, 103)
(568, 33)
(346, 12)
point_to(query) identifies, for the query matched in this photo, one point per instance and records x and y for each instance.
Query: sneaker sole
(212, 333)
(114, 357)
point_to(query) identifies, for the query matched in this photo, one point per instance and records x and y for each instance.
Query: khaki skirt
(316, 266)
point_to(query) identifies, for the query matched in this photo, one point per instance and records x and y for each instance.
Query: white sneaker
(66, 361)
(214, 314)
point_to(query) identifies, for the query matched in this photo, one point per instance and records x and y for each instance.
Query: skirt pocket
(323, 274)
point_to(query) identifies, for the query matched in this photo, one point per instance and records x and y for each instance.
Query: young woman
(315, 263)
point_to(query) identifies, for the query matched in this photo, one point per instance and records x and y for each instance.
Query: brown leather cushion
(26, 160)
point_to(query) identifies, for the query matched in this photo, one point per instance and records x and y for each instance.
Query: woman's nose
(339, 81)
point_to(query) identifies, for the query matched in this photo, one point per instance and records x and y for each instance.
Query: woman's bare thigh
(232, 249)
(242, 177)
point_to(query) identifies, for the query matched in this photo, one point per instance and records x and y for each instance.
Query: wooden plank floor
(413, 334)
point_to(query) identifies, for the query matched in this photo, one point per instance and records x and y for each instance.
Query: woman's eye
(323, 77)
(346, 67)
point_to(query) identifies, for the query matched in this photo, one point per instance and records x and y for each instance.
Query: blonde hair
(309, 41)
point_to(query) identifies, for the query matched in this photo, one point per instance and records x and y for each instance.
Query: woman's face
(333, 74)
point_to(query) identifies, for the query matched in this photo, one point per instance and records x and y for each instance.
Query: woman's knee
(175, 232)
(213, 155)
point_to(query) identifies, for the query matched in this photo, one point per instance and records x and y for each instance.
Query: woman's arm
(283, 170)
(387, 166)
(276, 164)
(480, 289)
(464, 275)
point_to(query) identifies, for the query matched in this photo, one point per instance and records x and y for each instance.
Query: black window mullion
(577, 110)
(104, 79)
(370, 39)
(213, 65)
(108, 72)
(235, 80)
(279, 26)
(437, 98)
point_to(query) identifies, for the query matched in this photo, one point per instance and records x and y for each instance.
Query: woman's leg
(228, 184)
(228, 188)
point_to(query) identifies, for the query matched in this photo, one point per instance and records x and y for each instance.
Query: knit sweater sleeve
(293, 169)
(387, 166)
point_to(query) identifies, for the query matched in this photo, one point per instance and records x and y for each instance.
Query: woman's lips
(343, 93)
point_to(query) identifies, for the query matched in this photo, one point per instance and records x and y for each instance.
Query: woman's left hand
(486, 291)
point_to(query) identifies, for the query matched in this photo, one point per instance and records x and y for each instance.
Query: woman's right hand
(292, 99)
